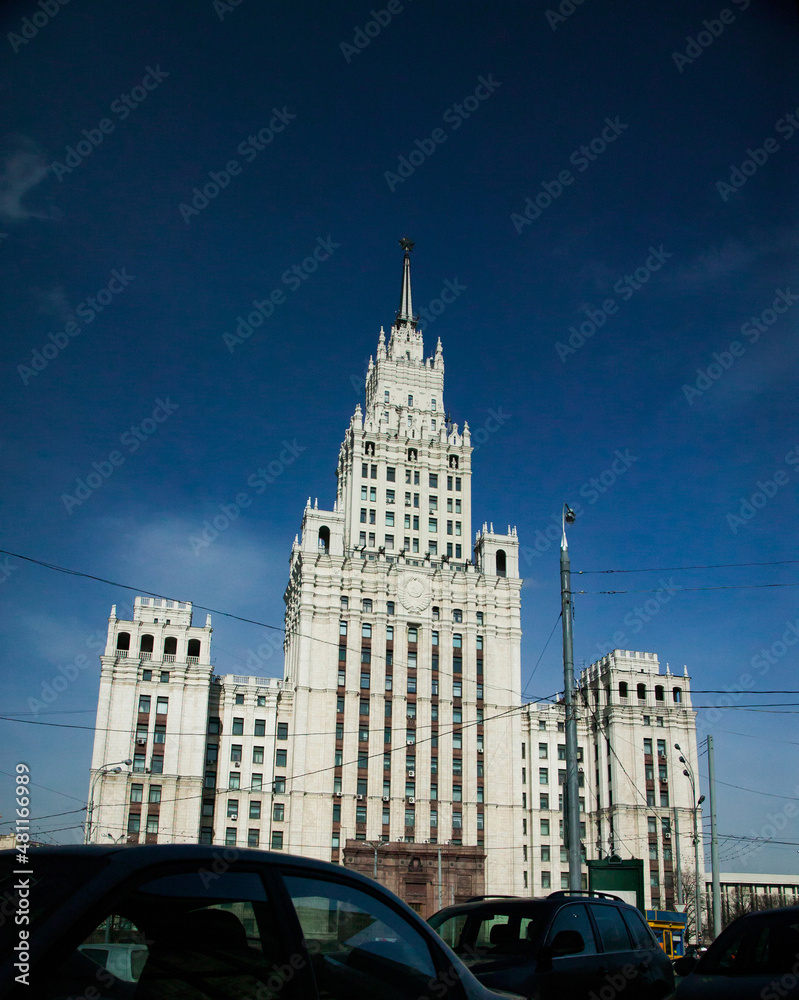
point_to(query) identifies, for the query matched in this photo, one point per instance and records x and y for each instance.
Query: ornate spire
(405, 312)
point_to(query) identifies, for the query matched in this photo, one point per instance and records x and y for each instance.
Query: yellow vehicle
(669, 928)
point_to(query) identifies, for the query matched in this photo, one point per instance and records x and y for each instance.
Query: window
(257, 755)
(457, 638)
(648, 746)
(257, 782)
(280, 758)
(363, 515)
(391, 475)
(373, 472)
(331, 911)
(433, 503)
(449, 527)
(144, 704)
(544, 827)
(238, 727)
(677, 695)
(366, 630)
(543, 751)
(253, 838)
(255, 809)
(162, 706)
(136, 793)
(159, 734)
(279, 786)
(457, 689)
(146, 675)
(134, 823)
(164, 677)
(543, 776)
(230, 836)
(235, 752)
(543, 801)
(261, 698)
(282, 730)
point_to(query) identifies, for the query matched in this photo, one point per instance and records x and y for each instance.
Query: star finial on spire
(405, 311)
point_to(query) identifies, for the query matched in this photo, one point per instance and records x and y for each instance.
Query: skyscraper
(401, 639)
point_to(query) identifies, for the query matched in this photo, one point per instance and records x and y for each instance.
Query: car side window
(639, 930)
(574, 918)
(612, 929)
(187, 935)
(360, 948)
(754, 947)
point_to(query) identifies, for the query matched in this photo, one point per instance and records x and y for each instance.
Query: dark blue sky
(662, 239)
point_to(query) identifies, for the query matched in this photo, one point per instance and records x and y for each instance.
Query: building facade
(398, 719)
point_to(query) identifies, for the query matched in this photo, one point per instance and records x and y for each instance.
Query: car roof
(127, 859)
(502, 903)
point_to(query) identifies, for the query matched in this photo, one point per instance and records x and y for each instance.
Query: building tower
(403, 645)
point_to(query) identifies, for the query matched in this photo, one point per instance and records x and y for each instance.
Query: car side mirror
(685, 966)
(567, 943)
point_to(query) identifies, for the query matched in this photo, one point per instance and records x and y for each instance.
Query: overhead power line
(675, 569)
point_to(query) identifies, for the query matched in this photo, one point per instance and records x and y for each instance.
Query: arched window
(622, 689)
(642, 691)
(501, 562)
(367, 605)
(170, 645)
(324, 539)
(457, 615)
(677, 694)
(146, 644)
(194, 648)
(659, 692)
(123, 641)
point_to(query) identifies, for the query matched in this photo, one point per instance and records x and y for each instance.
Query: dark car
(578, 945)
(205, 923)
(756, 956)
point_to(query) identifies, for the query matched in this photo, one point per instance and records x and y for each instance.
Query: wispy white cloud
(23, 167)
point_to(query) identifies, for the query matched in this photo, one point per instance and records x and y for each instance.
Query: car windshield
(489, 934)
(52, 878)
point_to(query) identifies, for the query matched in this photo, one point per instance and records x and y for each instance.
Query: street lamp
(103, 769)
(689, 774)
(572, 798)
(376, 845)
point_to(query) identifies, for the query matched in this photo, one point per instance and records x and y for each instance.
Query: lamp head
(676, 746)
(687, 775)
(700, 800)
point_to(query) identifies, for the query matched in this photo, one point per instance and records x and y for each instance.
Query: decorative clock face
(415, 593)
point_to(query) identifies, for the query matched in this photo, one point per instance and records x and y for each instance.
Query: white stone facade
(399, 715)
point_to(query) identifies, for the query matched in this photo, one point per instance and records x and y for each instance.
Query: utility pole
(572, 797)
(714, 844)
(677, 854)
(439, 876)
